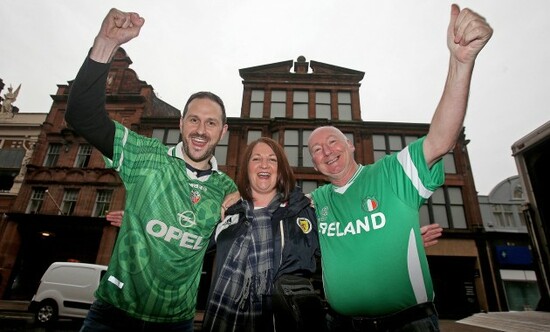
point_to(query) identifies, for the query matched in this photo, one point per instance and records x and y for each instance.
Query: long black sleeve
(86, 107)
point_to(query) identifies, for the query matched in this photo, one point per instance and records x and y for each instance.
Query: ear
(224, 130)
(350, 144)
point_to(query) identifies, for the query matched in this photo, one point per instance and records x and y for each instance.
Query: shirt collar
(343, 188)
(177, 151)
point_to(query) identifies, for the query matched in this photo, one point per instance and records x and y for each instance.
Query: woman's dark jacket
(295, 239)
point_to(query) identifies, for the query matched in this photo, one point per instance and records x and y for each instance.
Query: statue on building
(28, 145)
(9, 98)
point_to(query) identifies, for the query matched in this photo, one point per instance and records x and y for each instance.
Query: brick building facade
(285, 101)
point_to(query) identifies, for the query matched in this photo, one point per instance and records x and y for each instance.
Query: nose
(326, 149)
(201, 128)
(264, 163)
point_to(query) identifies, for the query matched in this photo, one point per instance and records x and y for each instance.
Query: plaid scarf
(246, 275)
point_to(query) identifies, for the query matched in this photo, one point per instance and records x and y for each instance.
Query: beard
(206, 155)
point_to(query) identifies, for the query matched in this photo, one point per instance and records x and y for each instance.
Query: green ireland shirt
(373, 257)
(169, 216)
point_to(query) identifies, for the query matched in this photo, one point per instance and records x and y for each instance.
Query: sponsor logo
(304, 224)
(198, 186)
(187, 219)
(172, 234)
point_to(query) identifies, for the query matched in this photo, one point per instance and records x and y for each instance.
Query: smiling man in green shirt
(173, 197)
(375, 270)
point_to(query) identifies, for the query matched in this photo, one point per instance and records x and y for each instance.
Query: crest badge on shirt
(323, 213)
(369, 204)
(195, 196)
(304, 224)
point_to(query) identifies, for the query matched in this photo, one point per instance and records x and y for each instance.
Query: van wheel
(46, 312)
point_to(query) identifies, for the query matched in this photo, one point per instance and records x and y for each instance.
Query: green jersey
(169, 216)
(373, 257)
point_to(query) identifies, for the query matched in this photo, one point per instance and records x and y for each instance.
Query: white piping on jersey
(415, 271)
(124, 140)
(410, 169)
(343, 188)
(116, 282)
(282, 240)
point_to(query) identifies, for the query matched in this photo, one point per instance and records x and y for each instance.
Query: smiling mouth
(332, 161)
(264, 175)
(199, 140)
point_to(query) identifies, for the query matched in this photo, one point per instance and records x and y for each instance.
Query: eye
(212, 123)
(193, 120)
(273, 160)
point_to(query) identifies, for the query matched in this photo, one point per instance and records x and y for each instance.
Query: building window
(275, 136)
(69, 201)
(305, 157)
(52, 155)
(449, 163)
(11, 162)
(35, 203)
(386, 144)
(439, 208)
(307, 186)
(379, 146)
(517, 193)
(102, 203)
(296, 149)
(83, 156)
(221, 150)
(445, 208)
(456, 207)
(300, 105)
(7, 178)
(344, 105)
(350, 137)
(504, 215)
(383, 145)
(253, 135)
(168, 137)
(322, 105)
(257, 104)
(278, 104)
(521, 289)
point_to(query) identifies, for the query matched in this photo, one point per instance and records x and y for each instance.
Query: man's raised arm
(467, 34)
(86, 104)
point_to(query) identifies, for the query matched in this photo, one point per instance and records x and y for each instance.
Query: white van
(66, 290)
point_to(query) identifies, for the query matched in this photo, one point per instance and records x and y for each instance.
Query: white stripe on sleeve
(410, 169)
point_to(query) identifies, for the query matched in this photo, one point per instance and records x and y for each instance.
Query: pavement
(514, 321)
(14, 305)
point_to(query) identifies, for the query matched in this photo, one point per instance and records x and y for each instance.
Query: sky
(192, 45)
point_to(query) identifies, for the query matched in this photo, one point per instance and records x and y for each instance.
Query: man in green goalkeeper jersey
(375, 271)
(173, 197)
